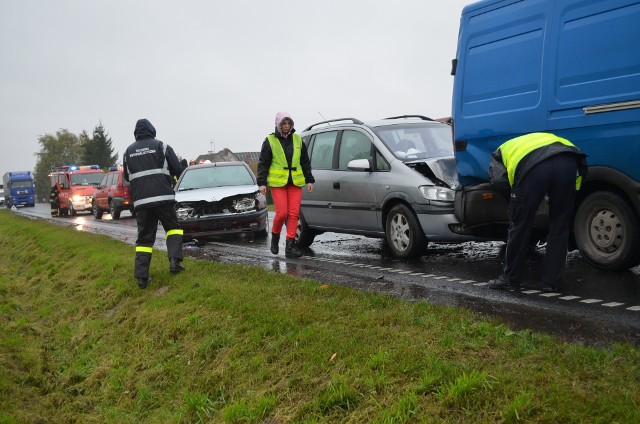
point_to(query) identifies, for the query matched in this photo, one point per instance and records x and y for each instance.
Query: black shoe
(291, 250)
(143, 282)
(275, 238)
(500, 283)
(174, 265)
(549, 289)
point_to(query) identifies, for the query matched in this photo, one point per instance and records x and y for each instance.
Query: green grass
(80, 343)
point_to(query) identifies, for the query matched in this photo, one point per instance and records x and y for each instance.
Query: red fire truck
(75, 186)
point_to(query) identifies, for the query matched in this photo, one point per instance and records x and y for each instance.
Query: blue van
(570, 67)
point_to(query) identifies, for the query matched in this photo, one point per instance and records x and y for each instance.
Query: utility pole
(213, 146)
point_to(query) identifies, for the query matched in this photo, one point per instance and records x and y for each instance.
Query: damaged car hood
(442, 171)
(214, 194)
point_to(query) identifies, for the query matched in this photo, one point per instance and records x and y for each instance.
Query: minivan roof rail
(424, 118)
(354, 120)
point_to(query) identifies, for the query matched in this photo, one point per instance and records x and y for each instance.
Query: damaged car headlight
(441, 194)
(184, 212)
(244, 204)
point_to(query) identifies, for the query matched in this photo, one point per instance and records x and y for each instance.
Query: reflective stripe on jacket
(514, 150)
(280, 170)
(148, 170)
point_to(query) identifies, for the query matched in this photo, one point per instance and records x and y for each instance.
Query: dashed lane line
(635, 308)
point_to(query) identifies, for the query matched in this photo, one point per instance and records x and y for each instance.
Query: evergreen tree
(63, 148)
(98, 149)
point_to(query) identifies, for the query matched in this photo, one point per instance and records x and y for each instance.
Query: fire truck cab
(75, 186)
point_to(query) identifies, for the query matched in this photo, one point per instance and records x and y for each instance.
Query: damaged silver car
(220, 198)
(393, 178)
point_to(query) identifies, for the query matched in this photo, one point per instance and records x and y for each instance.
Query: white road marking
(612, 304)
(442, 277)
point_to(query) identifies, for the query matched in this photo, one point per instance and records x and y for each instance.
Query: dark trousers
(556, 177)
(147, 220)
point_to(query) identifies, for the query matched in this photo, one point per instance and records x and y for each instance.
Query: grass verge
(79, 342)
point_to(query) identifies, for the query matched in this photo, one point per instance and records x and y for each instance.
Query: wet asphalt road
(594, 307)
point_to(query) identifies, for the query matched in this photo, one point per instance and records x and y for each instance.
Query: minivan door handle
(336, 186)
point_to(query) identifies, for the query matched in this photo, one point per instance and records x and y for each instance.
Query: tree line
(67, 148)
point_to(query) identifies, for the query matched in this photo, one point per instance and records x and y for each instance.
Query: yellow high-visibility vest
(279, 170)
(517, 148)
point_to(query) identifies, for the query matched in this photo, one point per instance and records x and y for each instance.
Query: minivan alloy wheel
(404, 234)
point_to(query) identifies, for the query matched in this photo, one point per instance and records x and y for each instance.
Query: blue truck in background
(569, 67)
(18, 189)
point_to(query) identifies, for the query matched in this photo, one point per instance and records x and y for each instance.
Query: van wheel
(97, 212)
(404, 233)
(304, 234)
(115, 212)
(606, 232)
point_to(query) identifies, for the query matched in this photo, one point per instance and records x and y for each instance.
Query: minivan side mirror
(360, 165)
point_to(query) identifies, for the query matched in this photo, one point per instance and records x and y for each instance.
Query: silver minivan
(394, 179)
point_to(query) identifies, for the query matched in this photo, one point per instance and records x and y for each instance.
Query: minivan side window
(381, 162)
(322, 150)
(353, 145)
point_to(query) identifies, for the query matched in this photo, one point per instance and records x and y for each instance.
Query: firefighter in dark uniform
(150, 166)
(54, 200)
(524, 170)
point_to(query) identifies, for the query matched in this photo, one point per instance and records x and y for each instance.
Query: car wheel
(97, 212)
(404, 233)
(606, 231)
(115, 212)
(72, 211)
(304, 234)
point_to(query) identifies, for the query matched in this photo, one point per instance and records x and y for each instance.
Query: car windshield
(215, 176)
(417, 141)
(93, 178)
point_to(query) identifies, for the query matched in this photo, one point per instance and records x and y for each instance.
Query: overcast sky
(212, 74)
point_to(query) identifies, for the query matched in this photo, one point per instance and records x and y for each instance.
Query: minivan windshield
(416, 141)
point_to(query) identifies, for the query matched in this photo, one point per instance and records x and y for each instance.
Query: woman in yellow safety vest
(284, 166)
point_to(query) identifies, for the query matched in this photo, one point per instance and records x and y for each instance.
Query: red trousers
(286, 201)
